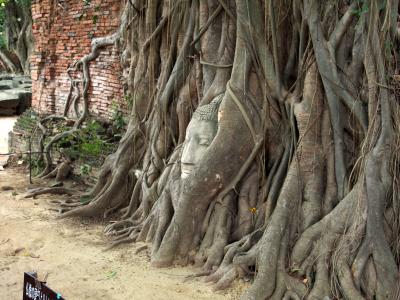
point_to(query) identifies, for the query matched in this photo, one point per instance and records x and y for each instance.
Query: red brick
(58, 49)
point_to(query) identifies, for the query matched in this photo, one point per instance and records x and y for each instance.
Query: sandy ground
(71, 252)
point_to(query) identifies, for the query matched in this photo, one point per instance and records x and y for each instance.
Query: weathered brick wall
(63, 31)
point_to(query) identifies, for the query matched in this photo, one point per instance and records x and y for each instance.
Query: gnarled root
(51, 190)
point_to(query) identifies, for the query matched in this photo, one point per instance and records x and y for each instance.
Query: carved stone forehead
(209, 112)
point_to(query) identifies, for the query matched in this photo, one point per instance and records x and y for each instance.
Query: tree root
(54, 190)
(280, 205)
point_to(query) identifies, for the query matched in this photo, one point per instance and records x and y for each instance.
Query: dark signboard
(37, 290)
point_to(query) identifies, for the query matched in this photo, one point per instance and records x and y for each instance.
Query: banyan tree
(16, 41)
(263, 142)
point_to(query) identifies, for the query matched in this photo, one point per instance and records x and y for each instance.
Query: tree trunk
(18, 34)
(297, 186)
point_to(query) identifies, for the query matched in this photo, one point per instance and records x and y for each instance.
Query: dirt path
(31, 238)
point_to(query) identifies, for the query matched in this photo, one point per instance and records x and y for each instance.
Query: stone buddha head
(200, 133)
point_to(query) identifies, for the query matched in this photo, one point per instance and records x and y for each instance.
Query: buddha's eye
(204, 142)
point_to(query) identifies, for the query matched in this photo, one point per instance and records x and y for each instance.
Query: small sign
(37, 290)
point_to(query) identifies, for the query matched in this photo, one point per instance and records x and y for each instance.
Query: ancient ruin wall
(63, 31)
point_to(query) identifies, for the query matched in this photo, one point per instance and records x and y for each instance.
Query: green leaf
(111, 274)
(85, 199)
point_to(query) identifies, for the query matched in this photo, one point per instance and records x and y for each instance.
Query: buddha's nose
(188, 154)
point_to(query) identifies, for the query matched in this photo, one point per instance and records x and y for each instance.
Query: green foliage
(382, 5)
(3, 43)
(3, 3)
(85, 169)
(27, 121)
(118, 120)
(36, 164)
(129, 100)
(25, 3)
(362, 8)
(2, 20)
(85, 199)
(86, 144)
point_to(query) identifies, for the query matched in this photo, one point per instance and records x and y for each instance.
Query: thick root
(53, 190)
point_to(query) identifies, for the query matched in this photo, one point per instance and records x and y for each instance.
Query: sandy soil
(71, 251)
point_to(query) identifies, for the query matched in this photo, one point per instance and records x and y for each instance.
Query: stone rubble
(15, 94)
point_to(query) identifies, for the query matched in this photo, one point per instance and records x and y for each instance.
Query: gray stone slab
(21, 80)
(6, 85)
(20, 90)
(6, 77)
(8, 95)
(25, 86)
(15, 93)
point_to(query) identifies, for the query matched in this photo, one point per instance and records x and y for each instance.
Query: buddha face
(199, 135)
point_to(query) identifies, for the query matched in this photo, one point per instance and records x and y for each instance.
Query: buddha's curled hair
(209, 112)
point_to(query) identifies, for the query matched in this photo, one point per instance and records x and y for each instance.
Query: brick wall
(63, 31)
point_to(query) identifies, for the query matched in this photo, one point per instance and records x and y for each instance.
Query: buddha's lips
(186, 170)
